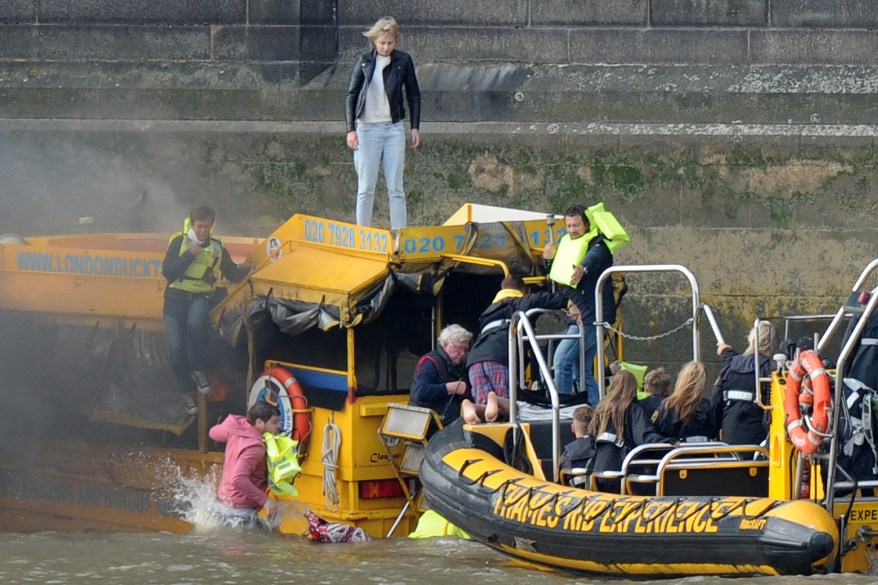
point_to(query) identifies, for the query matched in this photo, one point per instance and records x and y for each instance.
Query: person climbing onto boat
(575, 262)
(193, 265)
(686, 415)
(619, 425)
(580, 450)
(487, 364)
(736, 410)
(245, 476)
(495, 409)
(657, 384)
(440, 379)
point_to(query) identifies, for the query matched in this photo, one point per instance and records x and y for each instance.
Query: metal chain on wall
(683, 325)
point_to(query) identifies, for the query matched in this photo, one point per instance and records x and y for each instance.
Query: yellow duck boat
(333, 319)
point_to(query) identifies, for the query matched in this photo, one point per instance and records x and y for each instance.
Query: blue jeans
(185, 316)
(380, 144)
(565, 363)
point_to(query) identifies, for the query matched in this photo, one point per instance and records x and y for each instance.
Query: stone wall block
(467, 45)
(573, 13)
(823, 14)
(709, 13)
(18, 11)
(127, 43)
(495, 13)
(257, 43)
(316, 12)
(658, 46)
(808, 47)
(143, 11)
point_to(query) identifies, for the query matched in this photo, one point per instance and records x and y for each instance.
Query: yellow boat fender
(282, 458)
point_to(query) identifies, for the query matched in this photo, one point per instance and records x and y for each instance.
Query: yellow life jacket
(607, 224)
(207, 260)
(569, 254)
(639, 372)
(282, 458)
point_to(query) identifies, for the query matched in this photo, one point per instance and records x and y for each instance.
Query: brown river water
(214, 554)
(236, 557)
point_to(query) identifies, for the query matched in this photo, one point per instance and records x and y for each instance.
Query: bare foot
(492, 409)
(468, 412)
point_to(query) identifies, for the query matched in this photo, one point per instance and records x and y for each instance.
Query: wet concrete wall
(734, 137)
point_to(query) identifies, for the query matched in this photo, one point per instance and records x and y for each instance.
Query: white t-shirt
(377, 108)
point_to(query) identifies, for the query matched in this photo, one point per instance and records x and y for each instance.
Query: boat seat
(703, 470)
(541, 439)
(642, 459)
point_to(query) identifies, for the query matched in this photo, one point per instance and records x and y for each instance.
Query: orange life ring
(299, 411)
(807, 440)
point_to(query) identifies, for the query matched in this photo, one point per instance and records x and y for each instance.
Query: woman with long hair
(686, 415)
(619, 425)
(734, 397)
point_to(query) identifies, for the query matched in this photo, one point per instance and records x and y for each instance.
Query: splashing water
(197, 504)
(196, 501)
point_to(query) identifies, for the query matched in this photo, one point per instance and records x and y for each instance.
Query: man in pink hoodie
(245, 476)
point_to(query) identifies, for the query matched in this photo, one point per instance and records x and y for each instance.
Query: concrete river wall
(736, 137)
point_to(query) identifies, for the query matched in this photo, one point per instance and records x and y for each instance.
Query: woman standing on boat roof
(686, 415)
(734, 397)
(193, 264)
(375, 114)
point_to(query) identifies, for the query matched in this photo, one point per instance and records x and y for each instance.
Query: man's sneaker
(202, 384)
(189, 404)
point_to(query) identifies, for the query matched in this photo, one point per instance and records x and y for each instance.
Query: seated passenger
(440, 376)
(657, 384)
(579, 451)
(619, 425)
(686, 415)
(487, 364)
(734, 397)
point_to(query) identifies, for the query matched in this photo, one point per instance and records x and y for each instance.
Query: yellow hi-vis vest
(193, 279)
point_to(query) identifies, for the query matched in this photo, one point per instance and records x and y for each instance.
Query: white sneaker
(189, 404)
(202, 384)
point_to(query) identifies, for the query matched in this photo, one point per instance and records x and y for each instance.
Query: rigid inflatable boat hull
(609, 534)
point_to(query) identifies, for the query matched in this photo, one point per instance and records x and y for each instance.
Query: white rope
(331, 445)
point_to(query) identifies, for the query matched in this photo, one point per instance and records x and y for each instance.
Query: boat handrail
(697, 308)
(550, 337)
(838, 395)
(519, 322)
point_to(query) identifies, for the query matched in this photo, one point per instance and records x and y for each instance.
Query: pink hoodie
(244, 473)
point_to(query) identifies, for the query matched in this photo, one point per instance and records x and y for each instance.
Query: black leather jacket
(400, 72)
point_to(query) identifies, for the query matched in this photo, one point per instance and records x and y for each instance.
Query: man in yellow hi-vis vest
(575, 263)
(192, 267)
